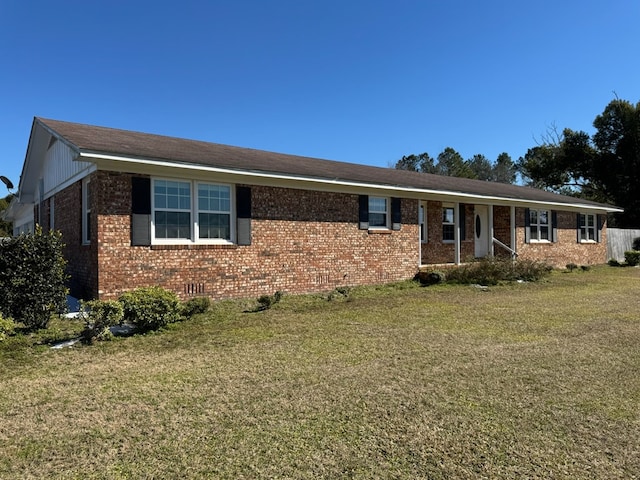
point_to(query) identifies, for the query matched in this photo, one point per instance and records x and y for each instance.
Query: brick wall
(81, 258)
(302, 241)
(437, 251)
(567, 249)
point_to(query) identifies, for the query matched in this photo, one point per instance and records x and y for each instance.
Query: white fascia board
(165, 168)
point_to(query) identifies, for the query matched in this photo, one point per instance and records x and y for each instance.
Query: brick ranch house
(200, 218)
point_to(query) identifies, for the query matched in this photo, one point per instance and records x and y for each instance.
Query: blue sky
(357, 81)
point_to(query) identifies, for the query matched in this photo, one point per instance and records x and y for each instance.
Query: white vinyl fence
(620, 240)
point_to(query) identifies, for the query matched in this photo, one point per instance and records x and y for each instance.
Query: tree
(416, 163)
(604, 167)
(481, 167)
(504, 170)
(5, 227)
(452, 164)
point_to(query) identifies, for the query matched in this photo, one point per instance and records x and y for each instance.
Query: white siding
(59, 168)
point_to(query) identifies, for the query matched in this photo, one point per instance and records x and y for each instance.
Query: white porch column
(456, 221)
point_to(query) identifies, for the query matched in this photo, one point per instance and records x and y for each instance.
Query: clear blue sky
(357, 81)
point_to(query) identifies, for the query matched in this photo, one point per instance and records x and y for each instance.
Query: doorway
(481, 229)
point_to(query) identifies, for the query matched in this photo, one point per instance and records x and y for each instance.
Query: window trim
(446, 206)
(194, 212)
(386, 212)
(86, 211)
(549, 226)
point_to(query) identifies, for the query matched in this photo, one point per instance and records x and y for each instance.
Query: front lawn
(531, 380)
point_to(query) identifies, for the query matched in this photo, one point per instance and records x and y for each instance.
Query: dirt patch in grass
(525, 380)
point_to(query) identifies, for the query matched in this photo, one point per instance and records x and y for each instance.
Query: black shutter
(578, 231)
(140, 211)
(396, 213)
(554, 226)
(243, 207)
(462, 219)
(527, 226)
(363, 212)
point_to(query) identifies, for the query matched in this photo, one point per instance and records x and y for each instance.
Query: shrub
(339, 292)
(7, 327)
(632, 257)
(491, 271)
(32, 278)
(430, 278)
(150, 308)
(195, 305)
(571, 266)
(614, 263)
(265, 302)
(98, 316)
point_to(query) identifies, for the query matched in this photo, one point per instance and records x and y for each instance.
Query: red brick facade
(302, 241)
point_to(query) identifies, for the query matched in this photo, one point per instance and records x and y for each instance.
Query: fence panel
(620, 240)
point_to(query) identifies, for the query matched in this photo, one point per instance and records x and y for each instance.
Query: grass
(519, 381)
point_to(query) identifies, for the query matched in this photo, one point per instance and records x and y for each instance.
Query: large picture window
(539, 225)
(191, 211)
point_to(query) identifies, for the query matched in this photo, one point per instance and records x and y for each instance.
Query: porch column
(513, 227)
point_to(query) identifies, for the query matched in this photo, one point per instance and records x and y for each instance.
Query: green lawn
(519, 381)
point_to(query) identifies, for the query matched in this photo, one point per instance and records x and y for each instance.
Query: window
(172, 209)
(214, 211)
(423, 222)
(177, 218)
(86, 211)
(587, 226)
(539, 225)
(448, 224)
(378, 212)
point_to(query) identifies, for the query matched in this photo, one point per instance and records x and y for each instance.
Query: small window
(587, 227)
(539, 225)
(448, 224)
(378, 212)
(86, 211)
(423, 222)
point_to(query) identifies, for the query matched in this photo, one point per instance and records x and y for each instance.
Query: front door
(481, 228)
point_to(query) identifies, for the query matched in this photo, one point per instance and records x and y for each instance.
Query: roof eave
(107, 161)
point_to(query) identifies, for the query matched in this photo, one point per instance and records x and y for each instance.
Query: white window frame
(539, 226)
(198, 211)
(422, 219)
(194, 212)
(452, 222)
(585, 228)
(386, 212)
(86, 211)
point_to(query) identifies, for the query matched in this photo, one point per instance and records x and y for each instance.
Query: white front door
(481, 229)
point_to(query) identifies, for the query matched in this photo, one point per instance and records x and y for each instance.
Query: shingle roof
(110, 141)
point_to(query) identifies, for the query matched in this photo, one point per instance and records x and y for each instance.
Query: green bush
(32, 278)
(150, 308)
(571, 266)
(614, 263)
(195, 305)
(98, 316)
(491, 271)
(265, 302)
(632, 257)
(7, 327)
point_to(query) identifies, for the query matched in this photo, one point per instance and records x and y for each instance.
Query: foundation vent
(194, 289)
